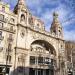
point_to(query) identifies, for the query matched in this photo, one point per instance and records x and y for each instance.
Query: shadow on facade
(32, 71)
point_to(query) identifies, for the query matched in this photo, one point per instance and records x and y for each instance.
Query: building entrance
(33, 71)
(40, 72)
(4, 70)
(1, 74)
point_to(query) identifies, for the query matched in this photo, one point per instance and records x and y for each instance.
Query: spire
(20, 5)
(55, 22)
(56, 27)
(55, 17)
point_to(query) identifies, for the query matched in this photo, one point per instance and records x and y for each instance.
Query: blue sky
(44, 9)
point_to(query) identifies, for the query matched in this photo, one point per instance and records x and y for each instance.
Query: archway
(42, 58)
(44, 44)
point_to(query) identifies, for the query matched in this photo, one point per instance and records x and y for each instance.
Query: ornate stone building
(26, 48)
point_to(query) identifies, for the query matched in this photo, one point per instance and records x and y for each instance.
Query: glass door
(31, 71)
(40, 71)
(1, 74)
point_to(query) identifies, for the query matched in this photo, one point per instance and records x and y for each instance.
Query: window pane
(9, 58)
(32, 60)
(40, 60)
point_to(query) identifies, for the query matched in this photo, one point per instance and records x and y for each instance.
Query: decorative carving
(30, 20)
(39, 36)
(22, 33)
(21, 60)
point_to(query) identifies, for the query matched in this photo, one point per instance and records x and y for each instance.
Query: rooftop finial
(22, 2)
(55, 15)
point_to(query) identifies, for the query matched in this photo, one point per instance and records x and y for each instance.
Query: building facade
(26, 48)
(70, 56)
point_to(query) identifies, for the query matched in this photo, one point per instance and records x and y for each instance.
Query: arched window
(59, 32)
(3, 8)
(30, 20)
(1, 24)
(12, 20)
(22, 17)
(1, 17)
(37, 27)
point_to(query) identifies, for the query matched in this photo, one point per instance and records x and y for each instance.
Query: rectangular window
(40, 60)
(9, 47)
(8, 58)
(32, 60)
(52, 61)
(10, 37)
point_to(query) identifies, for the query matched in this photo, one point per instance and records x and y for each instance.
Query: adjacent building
(26, 48)
(70, 56)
